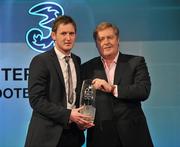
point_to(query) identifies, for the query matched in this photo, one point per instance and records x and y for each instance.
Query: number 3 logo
(39, 39)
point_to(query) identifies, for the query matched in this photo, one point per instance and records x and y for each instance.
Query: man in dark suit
(122, 82)
(56, 121)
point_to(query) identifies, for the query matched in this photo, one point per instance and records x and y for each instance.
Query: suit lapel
(77, 68)
(100, 71)
(120, 68)
(57, 66)
(78, 85)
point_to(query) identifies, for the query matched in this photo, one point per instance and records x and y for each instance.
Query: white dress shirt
(63, 65)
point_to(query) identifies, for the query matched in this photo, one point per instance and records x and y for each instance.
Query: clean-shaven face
(107, 43)
(64, 37)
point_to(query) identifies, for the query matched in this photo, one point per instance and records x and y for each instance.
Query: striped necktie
(70, 82)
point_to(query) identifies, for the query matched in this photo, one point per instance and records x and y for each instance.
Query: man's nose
(106, 40)
(68, 37)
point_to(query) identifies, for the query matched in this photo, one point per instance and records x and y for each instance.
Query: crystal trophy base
(90, 111)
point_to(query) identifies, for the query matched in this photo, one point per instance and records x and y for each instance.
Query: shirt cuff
(115, 92)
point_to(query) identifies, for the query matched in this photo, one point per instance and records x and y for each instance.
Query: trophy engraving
(87, 99)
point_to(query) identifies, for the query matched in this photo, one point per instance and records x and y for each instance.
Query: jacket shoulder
(44, 54)
(130, 58)
(76, 57)
(91, 61)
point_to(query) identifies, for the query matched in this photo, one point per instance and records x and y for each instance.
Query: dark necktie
(70, 83)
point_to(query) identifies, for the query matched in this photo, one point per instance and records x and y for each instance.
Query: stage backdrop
(147, 28)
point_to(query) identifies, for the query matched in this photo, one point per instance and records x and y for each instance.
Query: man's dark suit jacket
(47, 97)
(133, 84)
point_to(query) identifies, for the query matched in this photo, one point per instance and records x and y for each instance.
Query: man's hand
(81, 119)
(102, 85)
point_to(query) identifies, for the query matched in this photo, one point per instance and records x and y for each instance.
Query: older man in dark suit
(122, 82)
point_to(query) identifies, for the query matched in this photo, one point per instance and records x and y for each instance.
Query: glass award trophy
(87, 99)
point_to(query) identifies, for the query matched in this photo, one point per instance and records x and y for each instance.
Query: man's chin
(68, 47)
(107, 54)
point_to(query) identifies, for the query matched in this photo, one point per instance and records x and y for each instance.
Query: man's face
(64, 37)
(108, 43)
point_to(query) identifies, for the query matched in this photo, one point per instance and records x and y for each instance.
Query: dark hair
(103, 26)
(62, 20)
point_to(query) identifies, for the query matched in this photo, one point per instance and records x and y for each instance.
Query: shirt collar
(59, 54)
(114, 61)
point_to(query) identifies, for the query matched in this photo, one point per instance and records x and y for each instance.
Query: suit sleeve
(139, 87)
(38, 86)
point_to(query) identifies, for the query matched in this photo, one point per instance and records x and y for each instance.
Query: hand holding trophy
(87, 99)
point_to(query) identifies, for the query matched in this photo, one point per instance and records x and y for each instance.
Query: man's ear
(53, 36)
(118, 42)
